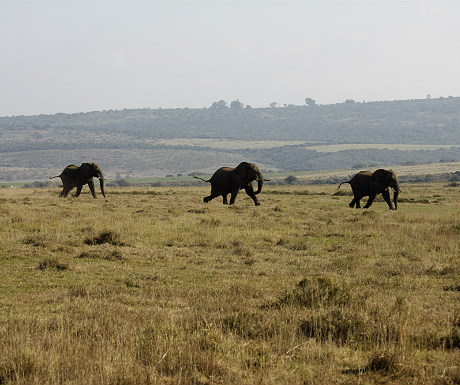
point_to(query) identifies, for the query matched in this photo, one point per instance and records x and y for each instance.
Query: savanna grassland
(152, 286)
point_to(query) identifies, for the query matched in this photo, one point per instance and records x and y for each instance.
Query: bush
(316, 293)
(336, 326)
(52, 263)
(119, 183)
(382, 362)
(291, 179)
(343, 193)
(106, 236)
(37, 184)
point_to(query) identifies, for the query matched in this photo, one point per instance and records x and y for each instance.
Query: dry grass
(152, 286)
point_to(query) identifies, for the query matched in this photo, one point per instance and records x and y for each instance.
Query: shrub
(248, 325)
(37, 241)
(37, 184)
(385, 362)
(336, 326)
(114, 255)
(106, 236)
(343, 193)
(119, 183)
(316, 293)
(291, 179)
(52, 263)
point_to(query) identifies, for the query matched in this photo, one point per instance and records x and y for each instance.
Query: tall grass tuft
(317, 292)
(52, 263)
(105, 236)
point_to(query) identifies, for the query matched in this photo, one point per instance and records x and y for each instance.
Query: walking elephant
(77, 176)
(229, 180)
(366, 183)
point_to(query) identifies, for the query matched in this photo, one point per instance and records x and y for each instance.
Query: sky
(65, 56)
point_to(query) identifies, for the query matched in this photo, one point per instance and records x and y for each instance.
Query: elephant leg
(250, 191)
(64, 193)
(91, 187)
(224, 199)
(370, 201)
(78, 191)
(356, 197)
(209, 198)
(215, 192)
(386, 196)
(233, 195)
(355, 202)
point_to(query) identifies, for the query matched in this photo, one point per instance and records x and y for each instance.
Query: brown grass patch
(154, 286)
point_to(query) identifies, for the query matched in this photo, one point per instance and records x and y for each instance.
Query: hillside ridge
(140, 142)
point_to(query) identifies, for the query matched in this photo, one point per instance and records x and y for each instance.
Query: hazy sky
(77, 56)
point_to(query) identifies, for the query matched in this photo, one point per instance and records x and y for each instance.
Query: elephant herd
(229, 180)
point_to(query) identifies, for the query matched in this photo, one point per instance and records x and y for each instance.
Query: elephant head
(388, 178)
(93, 170)
(249, 172)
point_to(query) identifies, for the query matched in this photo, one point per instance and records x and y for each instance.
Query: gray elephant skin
(366, 183)
(229, 180)
(77, 176)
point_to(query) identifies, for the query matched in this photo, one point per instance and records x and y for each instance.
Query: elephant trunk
(260, 182)
(396, 194)
(101, 183)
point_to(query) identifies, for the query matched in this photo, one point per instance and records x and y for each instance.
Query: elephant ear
(380, 176)
(94, 167)
(97, 172)
(243, 171)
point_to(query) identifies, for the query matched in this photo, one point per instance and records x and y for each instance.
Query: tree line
(424, 121)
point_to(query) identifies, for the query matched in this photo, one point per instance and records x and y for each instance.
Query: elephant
(74, 176)
(229, 180)
(366, 183)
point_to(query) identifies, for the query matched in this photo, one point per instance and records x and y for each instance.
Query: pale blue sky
(77, 56)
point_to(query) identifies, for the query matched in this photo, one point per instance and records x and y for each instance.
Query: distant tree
(236, 105)
(291, 179)
(119, 183)
(37, 184)
(123, 183)
(220, 105)
(428, 96)
(310, 102)
(248, 107)
(273, 104)
(349, 101)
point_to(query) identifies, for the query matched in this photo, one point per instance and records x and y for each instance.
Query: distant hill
(131, 142)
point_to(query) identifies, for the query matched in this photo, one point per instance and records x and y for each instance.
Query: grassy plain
(152, 286)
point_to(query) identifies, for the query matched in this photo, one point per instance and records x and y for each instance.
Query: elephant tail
(204, 180)
(56, 176)
(343, 183)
